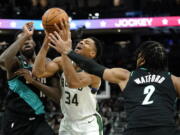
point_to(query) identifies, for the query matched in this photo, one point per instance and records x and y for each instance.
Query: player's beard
(28, 53)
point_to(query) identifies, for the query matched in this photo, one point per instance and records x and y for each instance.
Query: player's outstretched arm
(115, 75)
(176, 82)
(42, 67)
(8, 57)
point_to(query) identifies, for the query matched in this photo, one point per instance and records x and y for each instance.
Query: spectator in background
(117, 3)
(3, 46)
(38, 7)
(117, 9)
(43, 5)
(176, 8)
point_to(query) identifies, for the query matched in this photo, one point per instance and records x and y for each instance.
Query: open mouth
(78, 47)
(27, 47)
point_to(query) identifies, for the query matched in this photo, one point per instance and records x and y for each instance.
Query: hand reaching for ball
(28, 29)
(61, 40)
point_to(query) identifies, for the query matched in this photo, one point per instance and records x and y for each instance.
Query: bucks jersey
(77, 104)
(150, 99)
(24, 98)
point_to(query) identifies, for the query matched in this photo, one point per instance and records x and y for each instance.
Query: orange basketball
(52, 16)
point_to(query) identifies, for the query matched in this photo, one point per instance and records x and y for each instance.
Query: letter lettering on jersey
(142, 80)
(137, 81)
(153, 78)
(43, 80)
(62, 82)
(147, 78)
(80, 89)
(157, 78)
(161, 80)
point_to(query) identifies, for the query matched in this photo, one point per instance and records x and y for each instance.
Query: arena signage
(101, 23)
(134, 22)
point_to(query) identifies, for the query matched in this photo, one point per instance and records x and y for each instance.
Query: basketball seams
(54, 17)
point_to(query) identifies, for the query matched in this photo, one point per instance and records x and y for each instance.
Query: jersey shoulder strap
(23, 62)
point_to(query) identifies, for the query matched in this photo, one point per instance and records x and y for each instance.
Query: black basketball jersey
(150, 99)
(24, 98)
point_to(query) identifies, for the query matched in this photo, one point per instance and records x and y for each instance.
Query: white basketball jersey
(76, 103)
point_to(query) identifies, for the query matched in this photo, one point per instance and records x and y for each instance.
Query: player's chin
(77, 51)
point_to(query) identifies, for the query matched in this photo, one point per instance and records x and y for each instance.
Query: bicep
(115, 75)
(50, 69)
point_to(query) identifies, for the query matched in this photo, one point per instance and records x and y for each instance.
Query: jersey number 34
(71, 99)
(148, 91)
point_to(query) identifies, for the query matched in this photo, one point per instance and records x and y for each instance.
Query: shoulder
(119, 72)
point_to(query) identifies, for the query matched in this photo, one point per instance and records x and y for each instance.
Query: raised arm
(8, 57)
(114, 75)
(42, 67)
(78, 79)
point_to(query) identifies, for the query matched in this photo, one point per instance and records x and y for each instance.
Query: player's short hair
(155, 56)
(99, 49)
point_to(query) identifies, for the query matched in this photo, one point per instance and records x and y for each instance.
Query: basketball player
(150, 91)
(24, 114)
(78, 101)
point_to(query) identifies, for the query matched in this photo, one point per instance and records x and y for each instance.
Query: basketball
(53, 16)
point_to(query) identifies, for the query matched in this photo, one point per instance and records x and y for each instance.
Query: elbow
(37, 73)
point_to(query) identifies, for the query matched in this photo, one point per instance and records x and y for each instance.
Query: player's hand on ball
(63, 29)
(26, 74)
(61, 40)
(58, 44)
(28, 29)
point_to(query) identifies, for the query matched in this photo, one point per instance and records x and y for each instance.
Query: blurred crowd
(84, 9)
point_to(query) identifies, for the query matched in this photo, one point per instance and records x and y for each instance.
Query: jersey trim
(27, 95)
(24, 63)
(100, 124)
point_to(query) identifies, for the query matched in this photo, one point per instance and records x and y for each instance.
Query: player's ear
(93, 54)
(141, 61)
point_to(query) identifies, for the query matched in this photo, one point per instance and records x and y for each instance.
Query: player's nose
(81, 42)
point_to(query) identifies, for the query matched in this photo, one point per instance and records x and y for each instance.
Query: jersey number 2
(74, 99)
(148, 91)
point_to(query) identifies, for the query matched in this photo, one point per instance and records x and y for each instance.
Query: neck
(30, 60)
